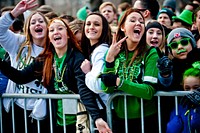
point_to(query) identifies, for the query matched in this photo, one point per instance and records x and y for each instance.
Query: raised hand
(164, 64)
(22, 6)
(86, 66)
(114, 48)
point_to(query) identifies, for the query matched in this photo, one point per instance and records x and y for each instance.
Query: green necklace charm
(59, 69)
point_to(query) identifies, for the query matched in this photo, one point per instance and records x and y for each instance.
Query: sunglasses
(183, 42)
(141, 10)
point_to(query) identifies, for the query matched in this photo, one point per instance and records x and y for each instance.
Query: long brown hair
(29, 40)
(141, 47)
(49, 50)
(104, 38)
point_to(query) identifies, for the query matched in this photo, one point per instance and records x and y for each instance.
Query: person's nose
(138, 22)
(91, 26)
(155, 35)
(179, 46)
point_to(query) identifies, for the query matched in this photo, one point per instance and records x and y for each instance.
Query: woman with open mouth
(155, 35)
(130, 67)
(22, 49)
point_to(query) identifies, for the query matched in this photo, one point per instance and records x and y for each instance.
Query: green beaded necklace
(59, 68)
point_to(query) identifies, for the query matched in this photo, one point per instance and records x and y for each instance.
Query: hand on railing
(191, 100)
(109, 79)
(102, 126)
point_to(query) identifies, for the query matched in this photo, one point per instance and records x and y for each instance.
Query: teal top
(137, 80)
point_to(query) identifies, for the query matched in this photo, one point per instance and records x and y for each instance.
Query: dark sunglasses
(141, 10)
(183, 42)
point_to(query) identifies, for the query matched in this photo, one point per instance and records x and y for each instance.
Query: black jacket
(74, 78)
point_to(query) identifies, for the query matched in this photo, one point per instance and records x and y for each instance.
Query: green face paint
(180, 51)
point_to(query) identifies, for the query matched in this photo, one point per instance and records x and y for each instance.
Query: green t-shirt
(70, 119)
(61, 88)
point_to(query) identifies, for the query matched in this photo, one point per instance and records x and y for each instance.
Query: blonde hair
(29, 40)
(107, 4)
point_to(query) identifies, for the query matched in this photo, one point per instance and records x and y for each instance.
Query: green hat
(82, 13)
(185, 16)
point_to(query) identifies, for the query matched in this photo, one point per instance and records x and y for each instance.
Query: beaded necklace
(128, 72)
(59, 68)
(23, 62)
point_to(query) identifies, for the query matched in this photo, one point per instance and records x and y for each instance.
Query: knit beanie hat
(170, 3)
(166, 11)
(154, 24)
(82, 13)
(185, 16)
(181, 32)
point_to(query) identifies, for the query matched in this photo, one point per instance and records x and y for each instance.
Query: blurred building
(69, 7)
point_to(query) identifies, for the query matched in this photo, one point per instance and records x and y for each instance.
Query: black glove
(191, 100)
(165, 66)
(108, 79)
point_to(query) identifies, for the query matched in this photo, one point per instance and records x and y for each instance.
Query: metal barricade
(158, 95)
(49, 97)
(75, 97)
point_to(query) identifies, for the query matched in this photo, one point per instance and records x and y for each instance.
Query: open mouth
(154, 42)
(136, 31)
(57, 38)
(38, 30)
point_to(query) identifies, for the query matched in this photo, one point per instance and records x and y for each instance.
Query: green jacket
(139, 80)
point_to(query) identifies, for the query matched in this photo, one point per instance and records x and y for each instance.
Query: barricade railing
(159, 94)
(49, 97)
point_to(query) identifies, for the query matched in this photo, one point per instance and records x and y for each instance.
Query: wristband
(12, 17)
(110, 64)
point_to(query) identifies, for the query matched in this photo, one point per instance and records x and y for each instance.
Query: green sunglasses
(183, 42)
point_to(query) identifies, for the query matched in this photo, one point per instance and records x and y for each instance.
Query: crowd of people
(138, 48)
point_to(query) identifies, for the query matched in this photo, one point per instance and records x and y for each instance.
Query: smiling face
(58, 35)
(93, 28)
(38, 27)
(133, 27)
(154, 37)
(181, 51)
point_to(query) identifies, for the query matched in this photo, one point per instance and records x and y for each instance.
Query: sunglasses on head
(183, 42)
(141, 10)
